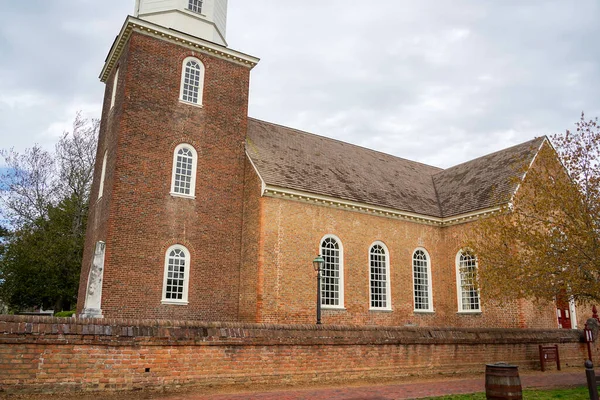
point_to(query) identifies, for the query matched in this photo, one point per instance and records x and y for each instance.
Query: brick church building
(199, 212)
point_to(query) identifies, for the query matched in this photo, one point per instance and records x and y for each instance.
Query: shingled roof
(292, 159)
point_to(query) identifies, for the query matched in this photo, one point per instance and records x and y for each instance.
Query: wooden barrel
(502, 382)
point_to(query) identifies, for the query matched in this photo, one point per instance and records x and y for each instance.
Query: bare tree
(37, 178)
(27, 187)
(75, 156)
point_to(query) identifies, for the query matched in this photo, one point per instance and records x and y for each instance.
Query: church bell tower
(166, 210)
(205, 19)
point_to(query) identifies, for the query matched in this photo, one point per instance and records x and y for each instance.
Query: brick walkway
(413, 390)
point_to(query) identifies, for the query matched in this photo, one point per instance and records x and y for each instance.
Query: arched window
(183, 180)
(466, 282)
(102, 176)
(192, 81)
(113, 94)
(177, 273)
(422, 281)
(332, 275)
(379, 277)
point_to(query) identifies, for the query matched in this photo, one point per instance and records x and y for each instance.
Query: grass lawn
(580, 393)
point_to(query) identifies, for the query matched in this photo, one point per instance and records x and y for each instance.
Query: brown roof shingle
(484, 182)
(297, 160)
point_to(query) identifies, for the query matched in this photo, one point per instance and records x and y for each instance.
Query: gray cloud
(433, 81)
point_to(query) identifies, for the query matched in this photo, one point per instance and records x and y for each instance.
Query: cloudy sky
(435, 81)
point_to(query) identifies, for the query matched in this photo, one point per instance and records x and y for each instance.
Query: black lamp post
(318, 265)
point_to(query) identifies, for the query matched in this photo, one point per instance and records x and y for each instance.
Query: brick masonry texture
(290, 239)
(138, 218)
(61, 354)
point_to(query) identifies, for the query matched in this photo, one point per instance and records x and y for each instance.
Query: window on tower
(183, 181)
(177, 273)
(192, 81)
(195, 6)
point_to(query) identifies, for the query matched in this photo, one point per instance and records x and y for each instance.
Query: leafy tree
(546, 243)
(41, 262)
(44, 197)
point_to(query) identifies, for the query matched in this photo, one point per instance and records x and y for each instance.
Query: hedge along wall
(66, 354)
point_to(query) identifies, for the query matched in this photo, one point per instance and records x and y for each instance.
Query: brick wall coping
(34, 329)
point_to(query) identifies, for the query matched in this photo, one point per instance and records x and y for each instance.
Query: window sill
(423, 311)
(174, 302)
(469, 312)
(333, 308)
(189, 103)
(383, 310)
(194, 12)
(183, 196)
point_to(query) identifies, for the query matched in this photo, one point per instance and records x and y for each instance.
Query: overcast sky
(439, 82)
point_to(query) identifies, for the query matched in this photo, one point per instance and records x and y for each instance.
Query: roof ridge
(437, 195)
(349, 144)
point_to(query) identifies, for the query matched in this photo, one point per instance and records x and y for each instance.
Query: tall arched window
(177, 273)
(466, 282)
(192, 81)
(113, 94)
(379, 277)
(422, 281)
(332, 275)
(183, 180)
(102, 176)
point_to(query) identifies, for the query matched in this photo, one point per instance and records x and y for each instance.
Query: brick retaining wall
(64, 354)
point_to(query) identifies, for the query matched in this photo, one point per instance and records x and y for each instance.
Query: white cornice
(327, 201)
(148, 28)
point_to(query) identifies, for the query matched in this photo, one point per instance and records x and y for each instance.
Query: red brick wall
(99, 211)
(143, 219)
(59, 354)
(251, 247)
(291, 233)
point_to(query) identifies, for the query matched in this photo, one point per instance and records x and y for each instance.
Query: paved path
(413, 390)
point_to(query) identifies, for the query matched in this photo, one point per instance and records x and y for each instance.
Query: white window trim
(196, 12)
(192, 194)
(388, 285)
(200, 83)
(113, 95)
(186, 279)
(430, 309)
(341, 284)
(459, 286)
(102, 176)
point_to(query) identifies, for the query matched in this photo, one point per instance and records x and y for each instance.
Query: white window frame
(186, 279)
(388, 293)
(200, 83)
(192, 194)
(193, 3)
(340, 305)
(113, 95)
(429, 282)
(459, 285)
(102, 176)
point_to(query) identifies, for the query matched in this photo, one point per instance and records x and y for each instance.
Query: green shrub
(64, 314)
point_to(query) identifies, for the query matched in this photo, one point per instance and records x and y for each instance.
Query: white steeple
(205, 19)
